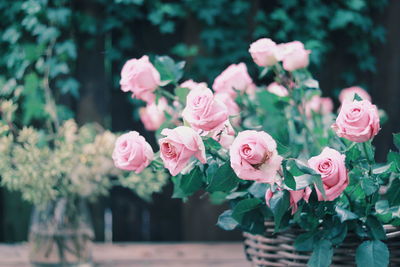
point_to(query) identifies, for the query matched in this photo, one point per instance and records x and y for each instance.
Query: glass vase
(61, 234)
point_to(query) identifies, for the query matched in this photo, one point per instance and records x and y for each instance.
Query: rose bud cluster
(293, 55)
(318, 104)
(234, 78)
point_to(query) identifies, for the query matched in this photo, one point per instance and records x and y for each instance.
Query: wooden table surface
(146, 255)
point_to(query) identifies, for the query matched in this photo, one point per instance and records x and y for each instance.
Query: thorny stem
(366, 154)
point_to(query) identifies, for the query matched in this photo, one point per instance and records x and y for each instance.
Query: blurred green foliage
(40, 39)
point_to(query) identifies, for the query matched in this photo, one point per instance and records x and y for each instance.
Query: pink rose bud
(225, 135)
(297, 195)
(277, 89)
(190, 84)
(263, 52)
(331, 165)
(235, 77)
(153, 115)
(358, 121)
(254, 156)
(349, 94)
(320, 105)
(141, 78)
(179, 146)
(203, 112)
(268, 195)
(132, 152)
(293, 55)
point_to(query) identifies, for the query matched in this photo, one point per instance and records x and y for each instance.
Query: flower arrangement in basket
(301, 180)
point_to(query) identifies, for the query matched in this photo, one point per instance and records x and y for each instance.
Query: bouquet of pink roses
(276, 152)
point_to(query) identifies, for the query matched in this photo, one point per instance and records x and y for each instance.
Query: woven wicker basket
(278, 250)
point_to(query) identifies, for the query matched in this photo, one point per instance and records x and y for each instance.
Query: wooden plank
(146, 254)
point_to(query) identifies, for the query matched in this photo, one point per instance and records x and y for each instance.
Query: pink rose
(358, 121)
(141, 78)
(203, 111)
(152, 115)
(331, 165)
(349, 93)
(235, 77)
(263, 52)
(254, 156)
(231, 105)
(190, 84)
(277, 89)
(317, 104)
(177, 148)
(293, 55)
(132, 152)
(297, 195)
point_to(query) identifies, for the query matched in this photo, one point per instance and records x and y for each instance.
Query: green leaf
(394, 158)
(368, 186)
(168, 69)
(341, 19)
(318, 183)
(217, 198)
(303, 181)
(289, 179)
(368, 148)
(393, 193)
(178, 193)
(210, 171)
(258, 189)
(383, 211)
(226, 221)
(243, 207)
(181, 93)
(192, 181)
(224, 179)
(344, 214)
(236, 194)
(211, 143)
(338, 233)
(372, 254)
(376, 229)
(305, 242)
(396, 140)
(322, 254)
(353, 154)
(33, 102)
(279, 204)
(303, 168)
(382, 169)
